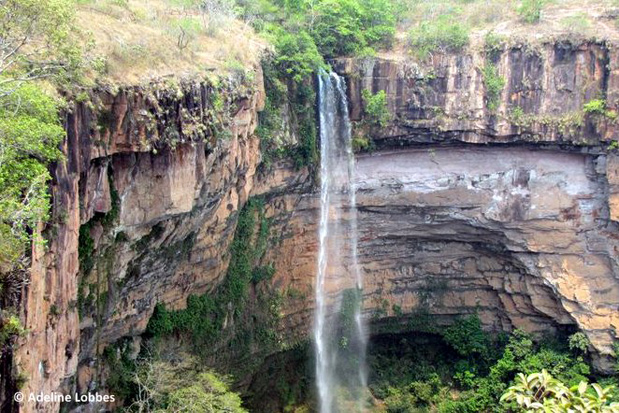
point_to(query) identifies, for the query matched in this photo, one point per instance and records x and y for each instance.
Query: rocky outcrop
(520, 236)
(446, 99)
(521, 230)
(141, 164)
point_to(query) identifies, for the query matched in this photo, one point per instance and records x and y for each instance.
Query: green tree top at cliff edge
(35, 46)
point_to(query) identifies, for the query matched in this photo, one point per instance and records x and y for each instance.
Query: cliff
(510, 213)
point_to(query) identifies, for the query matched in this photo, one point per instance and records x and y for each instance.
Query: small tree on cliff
(34, 44)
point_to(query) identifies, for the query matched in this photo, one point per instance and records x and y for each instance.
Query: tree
(178, 384)
(30, 132)
(35, 40)
(338, 28)
(209, 394)
(35, 43)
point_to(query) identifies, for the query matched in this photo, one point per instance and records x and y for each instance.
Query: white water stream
(339, 332)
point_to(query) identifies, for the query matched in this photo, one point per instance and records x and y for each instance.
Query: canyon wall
(507, 213)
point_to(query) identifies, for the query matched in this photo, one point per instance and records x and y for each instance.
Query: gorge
(178, 233)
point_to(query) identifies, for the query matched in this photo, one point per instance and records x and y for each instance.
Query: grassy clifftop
(133, 41)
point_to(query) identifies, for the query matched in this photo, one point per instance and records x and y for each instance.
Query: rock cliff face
(142, 165)
(547, 222)
(524, 233)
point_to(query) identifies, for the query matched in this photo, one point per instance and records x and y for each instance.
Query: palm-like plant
(542, 393)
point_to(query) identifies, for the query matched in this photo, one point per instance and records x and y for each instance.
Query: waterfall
(339, 332)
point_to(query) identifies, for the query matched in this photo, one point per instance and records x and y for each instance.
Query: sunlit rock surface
(524, 233)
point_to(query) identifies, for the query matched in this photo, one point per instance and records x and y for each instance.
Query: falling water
(339, 332)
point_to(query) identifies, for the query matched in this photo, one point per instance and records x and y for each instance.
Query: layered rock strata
(521, 230)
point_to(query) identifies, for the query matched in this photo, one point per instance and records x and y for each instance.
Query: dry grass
(138, 40)
(577, 19)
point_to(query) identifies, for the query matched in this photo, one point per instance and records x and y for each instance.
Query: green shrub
(466, 336)
(345, 27)
(411, 377)
(10, 327)
(444, 34)
(541, 392)
(494, 85)
(378, 22)
(203, 320)
(375, 107)
(530, 11)
(362, 143)
(595, 106)
(30, 132)
(208, 393)
(400, 401)
(180, 383)
(598, 107)
(493, 45)
(579, 342)
(297, 54)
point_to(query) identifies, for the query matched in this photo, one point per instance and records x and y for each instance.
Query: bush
(541, 392)
(297, 54)
(467, 337)
(362, 143)
(410, 377)
(30, 132)
(345, 27)
(208, 394)
(494, 85)
(598, 107)
(595, 106)
(10, 327)
(444, 34)
(338, 29)
(579, 342)
(180, 383)
(493, 45)
(375, 105)
(530, 11)
(378, 22)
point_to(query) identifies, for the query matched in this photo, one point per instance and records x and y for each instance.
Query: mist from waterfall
(339, 333)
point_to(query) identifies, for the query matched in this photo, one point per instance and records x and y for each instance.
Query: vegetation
(35, 45)
(207, 394)
(297, 54)
(345, 27)
(375, 107)
(494, 85)
(445, 34)
(10, 327)
(531, 10)
(178, 383)
(540, 392)
(294, 99)
(203, 321)
(335, 27)
(30, 132)
(464, 369)
(597, 107)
